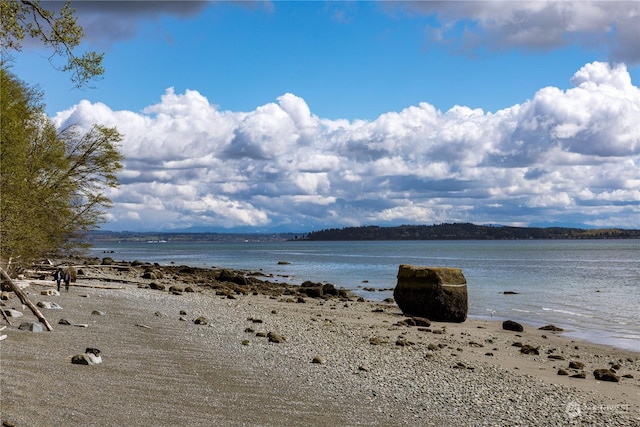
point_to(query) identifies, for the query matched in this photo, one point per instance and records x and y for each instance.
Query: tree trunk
(23, 297)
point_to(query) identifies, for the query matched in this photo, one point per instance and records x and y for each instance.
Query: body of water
(591, 288)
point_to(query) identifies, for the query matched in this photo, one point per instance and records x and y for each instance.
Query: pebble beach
(203, 357)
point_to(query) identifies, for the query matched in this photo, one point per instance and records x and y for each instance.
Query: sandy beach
(204, 358)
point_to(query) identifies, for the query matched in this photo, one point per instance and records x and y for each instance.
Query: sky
(300, 116)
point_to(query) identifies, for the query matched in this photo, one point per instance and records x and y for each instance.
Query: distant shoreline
(456, 231)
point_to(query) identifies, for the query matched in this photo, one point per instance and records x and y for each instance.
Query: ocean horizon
(591, 288)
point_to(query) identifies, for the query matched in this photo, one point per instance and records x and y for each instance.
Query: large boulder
(437, 293)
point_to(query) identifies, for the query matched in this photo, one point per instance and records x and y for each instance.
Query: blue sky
(305, 115)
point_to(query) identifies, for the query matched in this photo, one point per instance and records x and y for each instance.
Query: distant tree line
(467, 231)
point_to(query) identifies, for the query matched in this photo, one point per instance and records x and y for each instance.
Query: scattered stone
(551, 328)
(98, 313)
(363, 368)
(510, 293)
(475, 344)
(528, 349)
(510, 325)
(421, 321)
(201, 320)
(158, 314)
(13, 313)
(319, 359)
(246, 342)
(555, 357)
(30, 326)
(157, 286)
(402, 342)
(627, 376)
(488, 354)
(65, 322)
(250, 330)
(605, 375)
(375, 341)
(576, 365)
(50, 293)
(48, 305)
(261, 334)
(183, 313)
(581, 375)
(436, 293)
(91, 356)
(517, 344)
(562, 372)
(275, 337)
(176, 290)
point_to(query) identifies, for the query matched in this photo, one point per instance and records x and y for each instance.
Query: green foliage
(51, 184)
(58, 31)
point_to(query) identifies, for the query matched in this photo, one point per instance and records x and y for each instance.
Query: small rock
(183, 313)
(576, 365)
(98, 313)
(65, 322)
(245, 342)
(31, 326)
(605, 375)
(421, 321)
(488, 354)
(156, 286)
(555, 357)
(201, 320)
(551, 328)
(158, 314)
(319, 359)
(375, 341)
(91, 356)
(475, 344)
(579, 375)
(13, 313)
(48, 305)
(528, 349)
(627, 376)
(562, 372)
(275, 337)
(50, 293)
(403, 342)
(510, 325)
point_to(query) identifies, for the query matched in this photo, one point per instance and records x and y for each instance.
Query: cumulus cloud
(536, 25)
(563, 156)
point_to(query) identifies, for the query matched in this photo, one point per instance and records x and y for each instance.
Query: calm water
(589, 287)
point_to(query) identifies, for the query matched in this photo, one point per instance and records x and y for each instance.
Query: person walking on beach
(57, 276)
(67, 279)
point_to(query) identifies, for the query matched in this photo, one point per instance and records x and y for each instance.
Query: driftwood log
(23, 297)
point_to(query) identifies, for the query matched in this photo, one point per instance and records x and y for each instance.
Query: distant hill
(467, 231)
(162, 237)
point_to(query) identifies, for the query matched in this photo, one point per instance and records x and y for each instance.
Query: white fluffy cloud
(562, 157)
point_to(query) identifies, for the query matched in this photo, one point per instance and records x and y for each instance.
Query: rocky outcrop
(436, 293)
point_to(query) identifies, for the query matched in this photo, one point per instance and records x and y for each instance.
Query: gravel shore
(339, 362)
